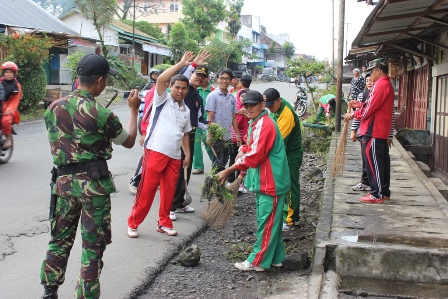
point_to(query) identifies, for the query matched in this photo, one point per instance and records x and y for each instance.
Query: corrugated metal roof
(28, 14)
(391, 20)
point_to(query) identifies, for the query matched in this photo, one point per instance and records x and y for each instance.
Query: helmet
(154, 71)
(9, 65)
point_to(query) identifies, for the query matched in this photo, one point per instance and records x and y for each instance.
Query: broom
(339, 157)
(220, 209)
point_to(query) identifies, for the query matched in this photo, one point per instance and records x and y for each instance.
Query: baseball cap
(246, 79)
(253, 97)
(270, 95)
(93, 64)
(201, 69)
(376, 63)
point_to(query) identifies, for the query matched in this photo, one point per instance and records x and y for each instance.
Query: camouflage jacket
(80, 130)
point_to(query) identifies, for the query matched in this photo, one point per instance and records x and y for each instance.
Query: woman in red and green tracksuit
(263, 158)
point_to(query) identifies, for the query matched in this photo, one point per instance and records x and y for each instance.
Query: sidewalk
(378, 249)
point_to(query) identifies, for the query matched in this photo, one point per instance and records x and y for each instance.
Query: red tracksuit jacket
(376, 113)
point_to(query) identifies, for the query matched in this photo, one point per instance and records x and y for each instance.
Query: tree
(201, 17)
(150, 29)
(101, 13)
(234, 24)
(305, 68)
(56, 7)
(225, 55)
(144, 7)
(289, 49)
(180, 42)
(29, 53)
(272, 48)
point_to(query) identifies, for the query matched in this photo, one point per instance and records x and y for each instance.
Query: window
(174, 7)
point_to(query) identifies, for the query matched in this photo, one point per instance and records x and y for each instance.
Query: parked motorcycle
(5, 153)
(300, 104)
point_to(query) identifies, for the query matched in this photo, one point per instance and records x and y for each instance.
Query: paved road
(24, 225)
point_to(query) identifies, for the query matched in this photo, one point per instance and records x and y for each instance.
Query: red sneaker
(370, 199)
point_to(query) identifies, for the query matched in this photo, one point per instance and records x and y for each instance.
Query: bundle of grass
(215, 139)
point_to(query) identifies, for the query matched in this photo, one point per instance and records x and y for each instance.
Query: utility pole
(133, 37)
(332, 34)
(346, 40)
(340, 65)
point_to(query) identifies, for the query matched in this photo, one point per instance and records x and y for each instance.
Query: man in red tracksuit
(376, 121)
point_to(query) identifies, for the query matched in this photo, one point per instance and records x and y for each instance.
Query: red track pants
(156, 168)
(6, 124)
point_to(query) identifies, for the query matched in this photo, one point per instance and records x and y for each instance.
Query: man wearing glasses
(221, 109)
(264, 160)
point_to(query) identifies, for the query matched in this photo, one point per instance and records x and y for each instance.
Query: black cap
(253, 97)
(201, 69)
(93, 64)
(246, 79)
(270, 95)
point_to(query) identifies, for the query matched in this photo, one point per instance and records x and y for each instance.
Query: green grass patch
(33, 114)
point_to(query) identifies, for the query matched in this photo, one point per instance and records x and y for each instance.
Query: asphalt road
(24, 225)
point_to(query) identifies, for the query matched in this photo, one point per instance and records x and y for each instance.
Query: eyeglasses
(224, 78)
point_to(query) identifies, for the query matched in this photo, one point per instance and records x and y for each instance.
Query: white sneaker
(242, 189)
(246, 266)
(167, 231)
(186, 209)
(279, 265)
(287, 227)
(132, 233)
(173, 216)
(132, 188)
(361, 187)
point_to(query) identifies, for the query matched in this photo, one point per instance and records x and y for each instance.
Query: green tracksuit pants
(96, 234)
(291, 208)
(268, 248)
(200, 137)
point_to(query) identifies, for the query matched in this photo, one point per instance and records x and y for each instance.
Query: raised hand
(202, 57)
(185, 60)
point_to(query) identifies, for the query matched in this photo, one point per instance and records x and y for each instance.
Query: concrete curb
(323, 229)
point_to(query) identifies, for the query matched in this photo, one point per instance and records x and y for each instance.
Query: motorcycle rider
(153, 75)
(12, 95)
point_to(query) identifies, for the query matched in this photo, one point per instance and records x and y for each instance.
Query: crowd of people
(262, 131)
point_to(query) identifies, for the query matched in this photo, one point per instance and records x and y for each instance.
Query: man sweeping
(289, 125)
(263, 157)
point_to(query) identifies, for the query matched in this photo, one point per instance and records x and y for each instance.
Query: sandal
(7, 144)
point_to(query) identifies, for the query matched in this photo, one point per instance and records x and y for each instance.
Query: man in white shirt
(166, 133)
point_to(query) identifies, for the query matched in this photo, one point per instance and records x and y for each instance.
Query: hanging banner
(156, 50)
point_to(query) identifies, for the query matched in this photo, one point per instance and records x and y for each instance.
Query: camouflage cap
(376, 63)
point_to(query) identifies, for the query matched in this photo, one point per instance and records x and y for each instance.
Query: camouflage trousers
(96, 234)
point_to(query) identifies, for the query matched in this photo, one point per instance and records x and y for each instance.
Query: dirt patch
(215, 276)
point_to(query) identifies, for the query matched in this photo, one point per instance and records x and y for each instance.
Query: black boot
(51, 292)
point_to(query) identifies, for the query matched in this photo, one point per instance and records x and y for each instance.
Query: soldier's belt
(95, 169)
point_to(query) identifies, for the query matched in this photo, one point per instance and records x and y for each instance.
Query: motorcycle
(5, 153)
(300, 105)
(141, 109)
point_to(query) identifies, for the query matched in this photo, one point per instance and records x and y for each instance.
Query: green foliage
(73, 61)
(179, 41)
(33, 88)
(150, 29)
(259, 68)
(162, 67)
(224, 55)
(101, 13)
(127, 77)
(216, 132)
(272, 48)
(213, 188)
(29, 53)
(289, 49)
(201, 17)
(234, 17)
(316, 145)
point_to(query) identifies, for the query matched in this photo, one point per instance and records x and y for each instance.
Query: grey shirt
(224, 107)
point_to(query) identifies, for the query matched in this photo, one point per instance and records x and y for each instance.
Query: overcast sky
(308, 22)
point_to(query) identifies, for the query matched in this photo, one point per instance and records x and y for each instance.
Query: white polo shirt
(167, 126)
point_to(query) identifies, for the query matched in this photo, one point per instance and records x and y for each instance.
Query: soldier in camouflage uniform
(80, 132)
